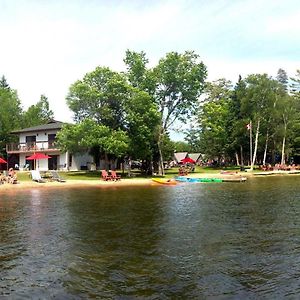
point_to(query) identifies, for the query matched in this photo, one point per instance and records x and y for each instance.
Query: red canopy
(37, 156)
(3, 161)
(188, 160)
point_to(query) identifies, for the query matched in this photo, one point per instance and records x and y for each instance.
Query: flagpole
(251, 142)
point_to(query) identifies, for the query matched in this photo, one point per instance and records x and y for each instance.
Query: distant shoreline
(29, 185)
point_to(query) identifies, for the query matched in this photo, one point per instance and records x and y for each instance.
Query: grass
(96, 175)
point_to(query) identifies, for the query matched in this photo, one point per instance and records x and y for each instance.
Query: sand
(23, 185)
(73, 183)
(97, 183)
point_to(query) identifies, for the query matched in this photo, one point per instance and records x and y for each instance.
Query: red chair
(105, 175)
(114, 176)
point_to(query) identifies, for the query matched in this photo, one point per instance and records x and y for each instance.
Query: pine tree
(282, 77)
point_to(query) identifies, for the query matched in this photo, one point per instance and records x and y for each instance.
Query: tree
(10, 114)
(192, 137)
(282, 77)
(100, 96)
(239, 141)
(180, 146)
(141, 123)
(3, 83)
(295, 93)
(88, 134)
(214, 120)
(175, 85)
(295, 85)
(180, 82)
(38, 114)
(261, 94)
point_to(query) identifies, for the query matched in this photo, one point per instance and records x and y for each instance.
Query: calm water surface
(192, 241)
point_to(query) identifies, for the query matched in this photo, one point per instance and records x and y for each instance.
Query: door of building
(30, 142)
(52, 162)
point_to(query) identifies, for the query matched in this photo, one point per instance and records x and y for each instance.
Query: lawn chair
(114, 176)
(105, 175)
(36, 176)
(56, 176)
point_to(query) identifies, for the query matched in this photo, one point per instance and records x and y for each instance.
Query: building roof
(195, 156)
(53, 124)
(179, 156)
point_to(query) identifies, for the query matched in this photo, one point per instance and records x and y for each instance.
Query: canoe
(164, 181)
(190, 179)
(186, 179)
(238, 179)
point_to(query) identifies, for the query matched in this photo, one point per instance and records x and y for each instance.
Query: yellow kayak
(164, 181)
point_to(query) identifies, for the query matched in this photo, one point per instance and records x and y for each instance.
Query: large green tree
(107, 98)
(283, 78)
(10, 113)
(295, 93)
(37, 114)
(180, 82)
(141, 123)
(88, 134)
(175, 84)
(261, 94)
(213, 120)
(100, 96)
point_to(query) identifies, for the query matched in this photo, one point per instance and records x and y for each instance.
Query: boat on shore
(164, 181)
(194, 179)
(237, 179)
(276, 172)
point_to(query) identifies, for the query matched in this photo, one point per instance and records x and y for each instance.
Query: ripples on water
(191, 241)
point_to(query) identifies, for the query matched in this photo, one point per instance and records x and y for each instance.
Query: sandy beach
(22, 185)
(73, 183)
(101, 183)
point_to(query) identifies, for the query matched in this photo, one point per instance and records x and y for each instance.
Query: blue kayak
(190, 179)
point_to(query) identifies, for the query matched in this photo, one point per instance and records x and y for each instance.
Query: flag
(248, 126)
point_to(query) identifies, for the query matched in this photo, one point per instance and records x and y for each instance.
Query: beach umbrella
(188, 160)
(2, 161)
(38, 156)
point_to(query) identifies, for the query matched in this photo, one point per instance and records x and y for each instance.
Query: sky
(48, 45)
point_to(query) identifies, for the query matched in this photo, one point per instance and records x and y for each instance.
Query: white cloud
(48, 45)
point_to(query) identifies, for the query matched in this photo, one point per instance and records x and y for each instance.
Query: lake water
(191, 241)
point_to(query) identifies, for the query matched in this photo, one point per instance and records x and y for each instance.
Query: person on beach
(12, 176)
(2, 178)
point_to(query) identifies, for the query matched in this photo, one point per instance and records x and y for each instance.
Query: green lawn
(96, 175)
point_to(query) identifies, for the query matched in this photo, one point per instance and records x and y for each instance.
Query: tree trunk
(273, 153)
(283, 148)
(251, 143)
(255, 145)
(161, 171)
(242, 156)
(266, 147)
(237, 159)
(106, 162)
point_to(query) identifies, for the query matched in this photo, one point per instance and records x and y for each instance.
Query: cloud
(48, 45)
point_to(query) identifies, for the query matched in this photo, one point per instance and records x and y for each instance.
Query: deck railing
(31, 147)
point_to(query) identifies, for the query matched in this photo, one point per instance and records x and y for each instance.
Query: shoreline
(77, 183)
(25, 185)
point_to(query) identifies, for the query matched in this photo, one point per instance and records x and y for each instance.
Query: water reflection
(190, 241)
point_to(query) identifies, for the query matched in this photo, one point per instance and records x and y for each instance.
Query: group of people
(10, 177)
(186, 169)
(278, 167)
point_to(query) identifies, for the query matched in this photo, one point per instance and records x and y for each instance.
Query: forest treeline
(14, 116)
(131, 113)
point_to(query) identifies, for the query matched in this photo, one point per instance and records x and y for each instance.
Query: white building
(41, 139)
